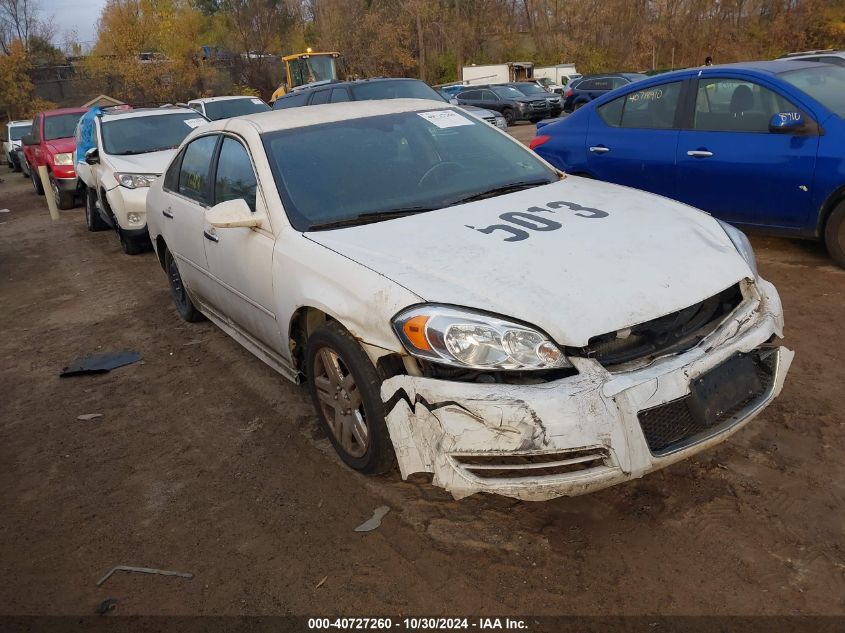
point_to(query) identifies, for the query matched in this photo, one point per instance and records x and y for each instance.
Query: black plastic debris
(100, 363)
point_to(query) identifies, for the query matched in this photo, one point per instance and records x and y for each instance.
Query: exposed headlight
(742, 245)
(63, 159)
(474, 341)
(133, 181)
(501, 122)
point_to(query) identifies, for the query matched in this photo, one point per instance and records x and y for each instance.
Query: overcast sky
(81, 15)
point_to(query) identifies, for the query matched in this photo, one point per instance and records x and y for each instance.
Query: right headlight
(742, 245)
(472, 340)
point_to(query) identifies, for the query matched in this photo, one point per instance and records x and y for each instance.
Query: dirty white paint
(576, 258)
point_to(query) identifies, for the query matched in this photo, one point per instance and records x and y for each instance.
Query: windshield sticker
(257, 101)
(530, 221)
(194, 123)
(445, 118)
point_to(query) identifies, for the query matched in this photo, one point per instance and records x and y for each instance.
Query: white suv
(15, 131)
(127, 149)
(216, 108)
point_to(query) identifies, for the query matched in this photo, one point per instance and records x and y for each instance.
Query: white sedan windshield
(399, 163)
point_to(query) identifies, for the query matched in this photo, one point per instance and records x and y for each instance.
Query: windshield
(61, 125)
(415, 161)
(825, 83)
(310, 69)
(400, 89)
(17, 132)
(216, 110)
(140, 135)
(531, 89)
(506, 92)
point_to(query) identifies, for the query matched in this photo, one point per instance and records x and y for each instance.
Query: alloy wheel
(340, 402)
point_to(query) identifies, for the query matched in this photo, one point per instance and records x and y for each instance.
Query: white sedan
(458, 306)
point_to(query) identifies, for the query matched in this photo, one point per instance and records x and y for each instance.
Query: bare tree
(18, 21)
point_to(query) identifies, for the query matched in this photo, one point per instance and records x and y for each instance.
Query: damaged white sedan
(457, 305)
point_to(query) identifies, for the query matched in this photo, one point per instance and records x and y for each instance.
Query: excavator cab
(307, 68)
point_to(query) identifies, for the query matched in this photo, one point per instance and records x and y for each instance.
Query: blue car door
(632, 140)
(732, 166)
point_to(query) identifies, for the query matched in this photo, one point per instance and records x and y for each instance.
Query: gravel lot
(205, 461)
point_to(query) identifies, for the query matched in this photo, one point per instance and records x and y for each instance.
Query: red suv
(51, 143)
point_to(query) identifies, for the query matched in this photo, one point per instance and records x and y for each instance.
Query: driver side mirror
(92, 156)
(787, 122)
(29, 139)
(231, 214)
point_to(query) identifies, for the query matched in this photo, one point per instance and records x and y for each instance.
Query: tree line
(429, 39)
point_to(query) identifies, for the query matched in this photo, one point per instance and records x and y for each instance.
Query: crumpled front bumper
(575, 435)
(124, 201)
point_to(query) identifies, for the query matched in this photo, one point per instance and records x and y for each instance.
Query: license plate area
(722, 388)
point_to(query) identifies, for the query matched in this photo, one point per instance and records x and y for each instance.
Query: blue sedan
(761, 145)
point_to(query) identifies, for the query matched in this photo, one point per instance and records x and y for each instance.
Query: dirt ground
(205, 461)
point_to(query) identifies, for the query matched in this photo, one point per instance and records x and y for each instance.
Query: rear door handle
(699, 153)
(599, 149)
(211, 236)
(166, 213)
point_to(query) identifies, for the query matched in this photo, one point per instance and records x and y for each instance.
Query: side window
(469, 94)
(193, 172)
(235, 178)
(339, 95)
(734, 105)
(293, 101)
(171, 176)
(321, 96)
(489, 95)
(651, 108)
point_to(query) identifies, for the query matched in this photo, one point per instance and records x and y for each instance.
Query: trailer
(497, 73)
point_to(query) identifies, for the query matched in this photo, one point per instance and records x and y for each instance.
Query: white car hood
(647, 257)
(152, 163)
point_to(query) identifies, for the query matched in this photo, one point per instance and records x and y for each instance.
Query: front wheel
(36, 181)
(64, 199)
(834, 235)
(510, 117)
(345, 389)
(92, 215)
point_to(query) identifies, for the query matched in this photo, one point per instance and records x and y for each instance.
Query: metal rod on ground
(48, 192)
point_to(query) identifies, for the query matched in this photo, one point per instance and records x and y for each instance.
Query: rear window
(394, 90)
(825, 83)
(17, 132)
(61, 125)
(216, 110)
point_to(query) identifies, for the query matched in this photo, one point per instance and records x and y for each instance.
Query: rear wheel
(834, 235)
(345, 389)
(184, 306)
(92, 213)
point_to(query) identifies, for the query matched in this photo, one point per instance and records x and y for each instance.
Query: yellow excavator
(306, 68)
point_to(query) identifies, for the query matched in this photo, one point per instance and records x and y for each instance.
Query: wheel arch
(161, 250)
(832, 201)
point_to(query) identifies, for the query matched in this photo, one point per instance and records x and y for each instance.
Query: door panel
(733, 167)
(632, 140)
(240, 259)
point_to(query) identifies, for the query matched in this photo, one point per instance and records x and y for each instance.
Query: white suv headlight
(742, 245)
(473, 340)
(133, 181)
(63, 159)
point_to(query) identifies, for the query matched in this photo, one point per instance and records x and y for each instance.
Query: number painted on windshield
(529, 220)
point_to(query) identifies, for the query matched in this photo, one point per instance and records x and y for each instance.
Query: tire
(130, 246)
(510, 117)
(36, 181)
(339, 374)
(64, 199)
(834, 235)
(93, 220)
(184, 306)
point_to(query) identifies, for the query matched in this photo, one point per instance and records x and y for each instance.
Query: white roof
(226, 98)
(145, 112)
(21, 122)
(289, 118)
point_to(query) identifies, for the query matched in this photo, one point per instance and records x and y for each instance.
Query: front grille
(515, 465)
(673, 333)
(671, 426)
(539, 105)
(491, 120)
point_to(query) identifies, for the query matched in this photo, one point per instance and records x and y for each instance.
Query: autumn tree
(17, 99)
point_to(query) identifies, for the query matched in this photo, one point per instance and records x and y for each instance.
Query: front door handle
(212, 237)
(699, 153)
(599, 149)
(166, 213)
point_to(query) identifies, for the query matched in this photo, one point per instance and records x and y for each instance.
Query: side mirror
(786, 122)
(29, 139)
(92, 156)
(232, 213)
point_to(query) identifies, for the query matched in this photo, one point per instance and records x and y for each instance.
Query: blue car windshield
(824, 82)
(399, 163)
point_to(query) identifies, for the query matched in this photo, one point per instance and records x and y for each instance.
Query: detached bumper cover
(578, 434)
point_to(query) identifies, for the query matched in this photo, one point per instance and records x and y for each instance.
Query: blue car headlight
(742, 245)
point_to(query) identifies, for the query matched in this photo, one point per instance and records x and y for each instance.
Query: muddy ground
(205, 461)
